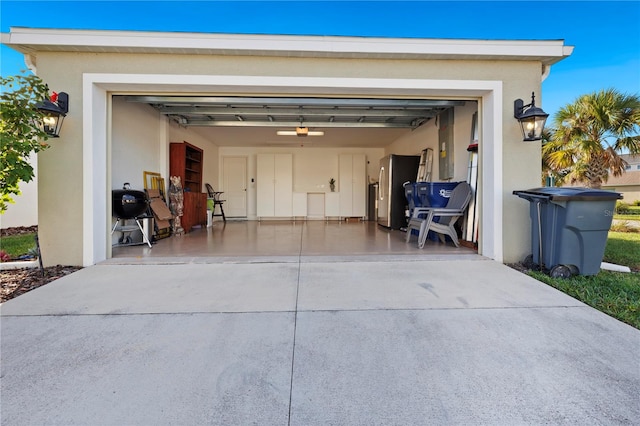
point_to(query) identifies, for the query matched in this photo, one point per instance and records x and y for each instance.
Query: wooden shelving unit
(186, 161)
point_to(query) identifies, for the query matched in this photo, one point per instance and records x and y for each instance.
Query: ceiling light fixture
(300, 132)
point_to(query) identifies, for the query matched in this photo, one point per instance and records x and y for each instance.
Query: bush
(21, 135)
(623, 226)
(622, 207)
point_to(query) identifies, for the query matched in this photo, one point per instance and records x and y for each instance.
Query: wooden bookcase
(194, 210)
(186, 160)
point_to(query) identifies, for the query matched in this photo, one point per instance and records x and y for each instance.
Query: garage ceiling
(253, 121)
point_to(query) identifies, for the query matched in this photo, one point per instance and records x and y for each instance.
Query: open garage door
(318, 133)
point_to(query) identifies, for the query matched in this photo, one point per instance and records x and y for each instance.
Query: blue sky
(606, 34)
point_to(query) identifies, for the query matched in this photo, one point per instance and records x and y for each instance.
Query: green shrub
(622, 207)
(623, 226)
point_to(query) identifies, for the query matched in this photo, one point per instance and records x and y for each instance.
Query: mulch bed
(519, 267)
(14, 282)
(18, 230)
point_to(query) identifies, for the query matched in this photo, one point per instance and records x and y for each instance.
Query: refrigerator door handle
(381, 188)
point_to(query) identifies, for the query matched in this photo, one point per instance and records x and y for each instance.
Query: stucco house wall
(62, 223)
(24, 210)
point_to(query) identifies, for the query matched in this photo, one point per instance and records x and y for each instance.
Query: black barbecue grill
(129, 203)
(126, 204)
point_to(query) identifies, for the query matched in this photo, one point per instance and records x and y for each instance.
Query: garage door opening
(230, 130)
(101, 145)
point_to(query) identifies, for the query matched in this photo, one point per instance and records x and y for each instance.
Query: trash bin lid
(571, 193)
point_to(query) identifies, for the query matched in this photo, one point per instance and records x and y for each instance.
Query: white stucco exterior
(94, 66)
(24, 211)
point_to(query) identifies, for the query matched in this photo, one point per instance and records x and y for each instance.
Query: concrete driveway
(314, 341)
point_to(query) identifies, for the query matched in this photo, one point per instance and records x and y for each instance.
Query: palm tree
(589, 135)
(558, 177)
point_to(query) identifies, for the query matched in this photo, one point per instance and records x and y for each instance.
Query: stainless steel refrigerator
(395, 170)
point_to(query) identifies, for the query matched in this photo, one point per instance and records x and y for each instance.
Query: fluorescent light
(300, 131)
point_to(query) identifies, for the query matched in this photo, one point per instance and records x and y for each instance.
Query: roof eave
(32, 40)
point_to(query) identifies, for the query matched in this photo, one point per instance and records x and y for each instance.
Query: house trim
(27, 40)
(98, 88)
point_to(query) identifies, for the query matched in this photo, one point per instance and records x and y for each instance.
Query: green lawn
(18, 245)
(615, 293)
(627, 217)
(623, 248)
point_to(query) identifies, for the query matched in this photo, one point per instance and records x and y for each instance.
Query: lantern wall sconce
(531, 118)
(54, 111)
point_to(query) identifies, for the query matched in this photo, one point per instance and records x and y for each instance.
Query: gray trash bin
(569, 228)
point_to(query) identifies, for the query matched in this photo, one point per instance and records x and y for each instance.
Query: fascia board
(34, 39)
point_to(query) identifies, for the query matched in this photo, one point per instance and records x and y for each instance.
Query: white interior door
(234, 182)
(283, 193)
(265, 185)
(360, 186)
(346, 185)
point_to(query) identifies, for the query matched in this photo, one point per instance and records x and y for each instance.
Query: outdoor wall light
(54, 111)
(531, 119)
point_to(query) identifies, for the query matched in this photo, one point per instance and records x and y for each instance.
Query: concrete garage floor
(271, 239)
(312, 340)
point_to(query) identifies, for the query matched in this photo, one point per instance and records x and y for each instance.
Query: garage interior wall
(312, 167)
(137, 145)
(426, 136)
(210, 152)
(137, 148)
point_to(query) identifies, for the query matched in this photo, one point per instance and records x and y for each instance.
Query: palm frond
(589, 135)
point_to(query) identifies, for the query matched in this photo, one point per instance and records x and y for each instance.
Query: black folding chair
(215, 196)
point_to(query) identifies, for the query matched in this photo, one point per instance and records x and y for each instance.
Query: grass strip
(615, 293)
(17, 245)
(623, 248)
(633, 217)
